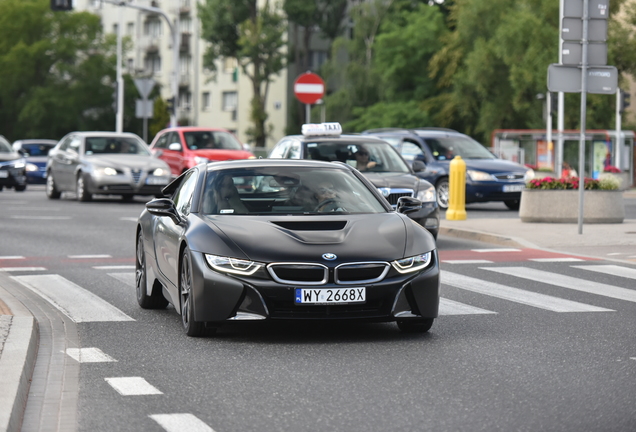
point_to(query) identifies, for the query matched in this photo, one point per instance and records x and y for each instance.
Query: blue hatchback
(488, 178)
(36, 152)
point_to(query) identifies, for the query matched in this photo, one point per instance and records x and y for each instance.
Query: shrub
(611, 169)
(551, 183)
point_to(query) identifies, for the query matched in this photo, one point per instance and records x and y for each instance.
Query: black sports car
(284, 239)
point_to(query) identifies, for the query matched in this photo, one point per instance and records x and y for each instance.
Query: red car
(183, 147)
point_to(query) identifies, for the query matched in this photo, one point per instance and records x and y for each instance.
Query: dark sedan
(275, 239)
(12, 167)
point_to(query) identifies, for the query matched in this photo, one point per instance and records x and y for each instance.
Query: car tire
(20, 188)
(512, 204)
(415, 326)
(80, 189)
(192, 328)
(51, 188)
(442, 192)
(155, 301)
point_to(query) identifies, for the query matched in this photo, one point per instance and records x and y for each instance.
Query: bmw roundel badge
(329, 256)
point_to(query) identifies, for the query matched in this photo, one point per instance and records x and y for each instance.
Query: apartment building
(205, 99)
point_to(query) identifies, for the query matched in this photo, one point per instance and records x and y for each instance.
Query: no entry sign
(309, 88)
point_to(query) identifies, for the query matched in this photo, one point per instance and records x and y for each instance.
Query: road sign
(144, 86)
(572, 30)
(144, 108)
(567, 79)
(597, 9)
(309, 88)
(573, 53)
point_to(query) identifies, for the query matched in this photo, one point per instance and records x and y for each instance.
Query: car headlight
(159, 172)
(427, 195)
(528, 176)
(479, 175)
(21, 163)
(412, 264)
(232, 265)
(31, 167)
(106, 171)
(199, 159)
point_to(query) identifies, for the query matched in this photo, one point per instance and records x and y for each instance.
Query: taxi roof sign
(322, 129)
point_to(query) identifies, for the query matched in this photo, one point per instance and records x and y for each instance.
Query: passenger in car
(227, 198)
(363, 162)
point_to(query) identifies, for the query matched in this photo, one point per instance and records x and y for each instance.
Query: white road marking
(613, 270)
(181, 423)
(614, 254)
(563, 259)
(88, 256)
(119, 267)
(40, 217)
(128, 278)
(564, 281)
(11, 257)
(12, 269)
(450, 307)
(529, 298)
(77, 303)
(89, 355)
(467, 261)
(132, 386)
(497, 250)
(131, 219)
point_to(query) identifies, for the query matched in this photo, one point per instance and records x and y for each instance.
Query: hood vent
(312, 226)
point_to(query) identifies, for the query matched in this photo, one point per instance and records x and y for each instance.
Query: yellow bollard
(457, 190)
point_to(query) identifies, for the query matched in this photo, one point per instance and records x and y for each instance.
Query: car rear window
(115, 145)
(212, 140)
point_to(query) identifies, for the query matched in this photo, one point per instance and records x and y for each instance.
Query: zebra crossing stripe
(89, 355)
(77, 303)
(132, 386)
(467, 262)
(516, 295)
(450, 307)
(181, 423)
(613, 270)
(570, 282)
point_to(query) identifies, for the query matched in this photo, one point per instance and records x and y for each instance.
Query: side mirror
(23, 153)
(418, 166)
(408, 205)
(163, 207)
(175, 146)
(157, 153)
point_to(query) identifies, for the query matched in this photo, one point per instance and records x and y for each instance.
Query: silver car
(107, 163)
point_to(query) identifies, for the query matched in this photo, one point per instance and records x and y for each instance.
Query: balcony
(184, 79)
(185, 7)
(150, 44)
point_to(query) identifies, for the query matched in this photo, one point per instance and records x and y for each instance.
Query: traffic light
(171, 107)
(114, 104)
(554, 103)
(61, 5)
(625, 100)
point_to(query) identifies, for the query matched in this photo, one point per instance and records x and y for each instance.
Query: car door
(64, 161)
(167, 233)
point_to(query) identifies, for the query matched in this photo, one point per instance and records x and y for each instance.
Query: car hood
(377, 237)
(127, 161)
(37, 160)
(9, 156)
(492, 166)
(222, 154)
(393, 180)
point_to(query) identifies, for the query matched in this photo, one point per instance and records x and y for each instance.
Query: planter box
(562, 206)
(622, 177)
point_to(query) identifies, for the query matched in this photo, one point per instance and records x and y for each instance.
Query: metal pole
(548, 128)
(307, 113)
(584, 44)
(119, 116)
(618, 142)
(558, 157)
(175, 73)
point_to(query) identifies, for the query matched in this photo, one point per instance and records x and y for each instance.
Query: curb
(487, 237)
(17, 361)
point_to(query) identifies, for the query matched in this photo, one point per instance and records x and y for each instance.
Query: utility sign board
(573, 53)
(572, 30)
(597, 9)
(567, 79)
(144, 108)
(144, 86)
(309, 88)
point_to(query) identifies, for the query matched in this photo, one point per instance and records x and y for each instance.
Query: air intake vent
(312, 226)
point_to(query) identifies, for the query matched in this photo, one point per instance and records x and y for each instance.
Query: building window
(153, 63)
(205, 101)
(229, 64)
(115, 27)
(185, 63)
(130, 65)
(230, 101)
(185, 25)
(130, 29)
(152, 28)
(185, 100)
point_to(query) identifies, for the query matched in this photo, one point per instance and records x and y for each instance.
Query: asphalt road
(511, 352)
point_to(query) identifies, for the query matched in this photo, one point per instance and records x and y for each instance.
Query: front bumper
(11, 176)
(219, 297)
(493, 191)
(128, 184)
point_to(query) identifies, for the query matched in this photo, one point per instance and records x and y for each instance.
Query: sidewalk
(19, 335)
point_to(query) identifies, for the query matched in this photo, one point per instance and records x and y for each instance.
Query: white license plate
(331, 295)
(4, 174)
(513, 188)
(156, 181)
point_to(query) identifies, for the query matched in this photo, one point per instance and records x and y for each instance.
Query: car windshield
(5, 147)
(115, 145)
(445, 148)
(370, 156)
(287, 191)
(37, 149)
(212, 140)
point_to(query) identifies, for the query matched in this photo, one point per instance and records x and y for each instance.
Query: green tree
(253, 35)
(55, 71)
